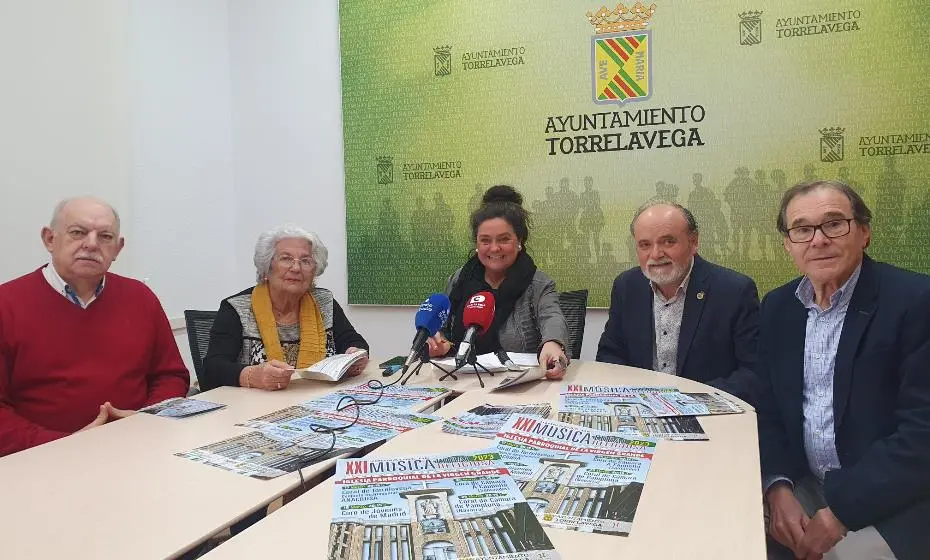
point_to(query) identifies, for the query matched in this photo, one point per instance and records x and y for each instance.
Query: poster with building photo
(399, 397)
(485, 421)
(464, 507)
(576, 478)
(288, 439)
(260, 455)
(368, 425)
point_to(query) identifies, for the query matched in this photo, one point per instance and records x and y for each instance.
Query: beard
(673, 274)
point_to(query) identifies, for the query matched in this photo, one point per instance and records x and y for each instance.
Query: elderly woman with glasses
(262, 334)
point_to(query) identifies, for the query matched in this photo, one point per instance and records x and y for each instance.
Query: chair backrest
(574, 307)
(199, 324)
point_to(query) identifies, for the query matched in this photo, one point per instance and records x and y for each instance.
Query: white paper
(491, 362)
(519, 377)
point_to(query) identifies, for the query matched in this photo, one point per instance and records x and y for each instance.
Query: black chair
(574, 307)
(199, 324)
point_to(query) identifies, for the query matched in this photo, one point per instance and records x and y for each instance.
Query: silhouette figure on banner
(566, 207)
(738, 195)
(708, 211)
(592, 219)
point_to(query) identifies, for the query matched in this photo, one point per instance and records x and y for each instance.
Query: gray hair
(689, 217)
(265, 246)
(53, 223)
(861, 212)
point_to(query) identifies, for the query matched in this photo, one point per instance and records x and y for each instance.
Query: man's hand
(821, 535)
(358, 366)
(100, 420)
(117, 413)
(787, 519)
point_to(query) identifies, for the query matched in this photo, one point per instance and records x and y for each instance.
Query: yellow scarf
(312, 333)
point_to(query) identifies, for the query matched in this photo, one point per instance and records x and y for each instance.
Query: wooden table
(702, 499)
(118, 491)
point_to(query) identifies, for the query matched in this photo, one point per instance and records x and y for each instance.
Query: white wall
(64, 117)
(183, 207)
(203, 122)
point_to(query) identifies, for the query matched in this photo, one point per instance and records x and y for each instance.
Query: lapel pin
(700, 295)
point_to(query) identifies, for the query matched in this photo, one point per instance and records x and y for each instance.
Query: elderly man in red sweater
(80, 346)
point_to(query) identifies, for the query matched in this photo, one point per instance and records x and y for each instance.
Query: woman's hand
(358, 366)
(438, 345)
(270, 376)
(553, 359)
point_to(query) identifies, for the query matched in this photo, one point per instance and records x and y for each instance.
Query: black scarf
(471, 280)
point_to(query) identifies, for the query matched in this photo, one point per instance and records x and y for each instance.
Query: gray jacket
(536, 318)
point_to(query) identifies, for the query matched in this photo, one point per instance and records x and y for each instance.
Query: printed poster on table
(464, 507)
(576, 478)
(286, 439)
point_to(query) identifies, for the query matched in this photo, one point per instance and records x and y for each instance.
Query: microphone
(431, 317)
(476, 317)
(505, 359)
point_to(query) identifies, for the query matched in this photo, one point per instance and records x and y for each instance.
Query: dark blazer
(881, 403)
(719, 325)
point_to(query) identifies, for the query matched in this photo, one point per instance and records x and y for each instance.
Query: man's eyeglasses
(287, 261)
(831, 229)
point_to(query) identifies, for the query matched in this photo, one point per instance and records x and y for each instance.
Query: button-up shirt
(666, 316)
(58, 283)
(821, 340)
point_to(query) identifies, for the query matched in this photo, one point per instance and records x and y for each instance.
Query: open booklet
(331, 368)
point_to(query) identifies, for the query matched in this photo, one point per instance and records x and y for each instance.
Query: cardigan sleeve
(549, 318)
(344, 334)
(221, 366)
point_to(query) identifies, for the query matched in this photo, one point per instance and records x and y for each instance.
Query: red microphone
(476, 317)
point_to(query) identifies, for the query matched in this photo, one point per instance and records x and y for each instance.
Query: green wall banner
(590, 110)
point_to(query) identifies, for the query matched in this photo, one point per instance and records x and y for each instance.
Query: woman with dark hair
(527, 315)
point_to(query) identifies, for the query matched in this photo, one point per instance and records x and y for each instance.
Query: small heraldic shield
(620, 53)
(385, 170)
(750, 28)
(831, 144)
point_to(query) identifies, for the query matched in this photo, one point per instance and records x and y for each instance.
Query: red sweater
(59, 363)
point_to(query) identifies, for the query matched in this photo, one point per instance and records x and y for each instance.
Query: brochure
(286, 440)
(517, 378)
(576, 478)
(432, 507)
(331, 368)
(485, 421)
(616, 400)
(374, 424)
(398, 397)
(180, 407)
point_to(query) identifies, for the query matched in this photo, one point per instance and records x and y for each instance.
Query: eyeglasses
(287, 262)
(831, 229)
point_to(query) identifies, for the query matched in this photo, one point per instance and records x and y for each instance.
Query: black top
(236, 343)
